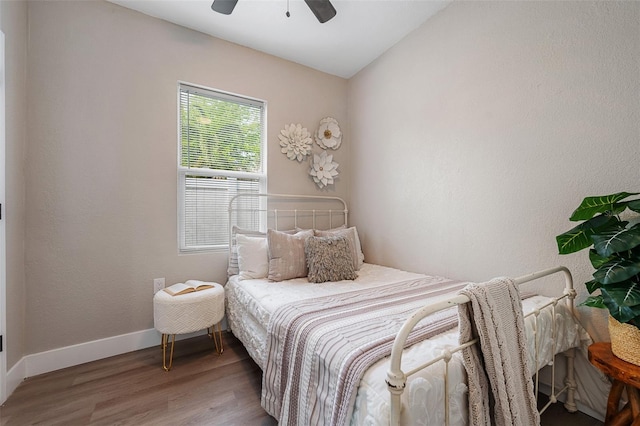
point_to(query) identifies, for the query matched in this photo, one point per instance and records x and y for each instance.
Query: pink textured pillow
(286, 255)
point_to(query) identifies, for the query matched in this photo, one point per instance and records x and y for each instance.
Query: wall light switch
(158, 284)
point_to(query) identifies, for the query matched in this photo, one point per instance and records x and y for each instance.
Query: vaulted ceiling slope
(360, 32)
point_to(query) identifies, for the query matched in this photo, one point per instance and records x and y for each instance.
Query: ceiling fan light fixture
(224, 6)
(323, 9)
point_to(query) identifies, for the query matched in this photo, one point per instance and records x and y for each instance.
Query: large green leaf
(626, 293)
(616, 271)
(597, 260)
(632, 255)
(592, 286)
(620, 312)
(579, 237)
(634, 205)
(594, 302)
(591, 206)
(608, 242)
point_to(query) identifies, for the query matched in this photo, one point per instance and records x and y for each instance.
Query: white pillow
(253, 257)
(233, 268)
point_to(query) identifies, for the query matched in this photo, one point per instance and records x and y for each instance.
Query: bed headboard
(260, 211)
(255, 213)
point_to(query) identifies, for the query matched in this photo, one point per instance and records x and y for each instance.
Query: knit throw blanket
(495, 317)
(318, 349)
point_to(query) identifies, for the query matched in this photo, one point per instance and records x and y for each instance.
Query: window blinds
(221, 154)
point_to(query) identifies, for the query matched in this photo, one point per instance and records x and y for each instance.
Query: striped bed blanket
(318, 349)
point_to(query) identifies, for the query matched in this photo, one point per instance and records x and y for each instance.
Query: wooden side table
(624, 375)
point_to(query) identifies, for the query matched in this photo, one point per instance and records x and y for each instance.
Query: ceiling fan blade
(224, 6)
(323, 9)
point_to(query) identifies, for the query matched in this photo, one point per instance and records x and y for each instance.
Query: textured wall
(14, 26)
(101, 183)
(476, 136)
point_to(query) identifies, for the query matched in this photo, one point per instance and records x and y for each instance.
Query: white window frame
(183, 171)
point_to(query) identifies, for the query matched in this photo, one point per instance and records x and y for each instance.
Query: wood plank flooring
(202, 388)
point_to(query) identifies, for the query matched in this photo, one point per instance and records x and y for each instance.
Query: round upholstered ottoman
(186, 313)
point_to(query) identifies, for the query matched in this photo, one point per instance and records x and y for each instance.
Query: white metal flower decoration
(295, 141)
(329, 134)
(323, 169)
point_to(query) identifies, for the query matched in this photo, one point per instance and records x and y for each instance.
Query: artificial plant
(615, 252)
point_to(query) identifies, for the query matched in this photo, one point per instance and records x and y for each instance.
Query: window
(221, 153)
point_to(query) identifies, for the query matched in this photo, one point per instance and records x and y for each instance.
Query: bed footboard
(397, 378)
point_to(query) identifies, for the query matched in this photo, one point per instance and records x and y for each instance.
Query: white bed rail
(397, 378)
(276, 213)
(268, 214)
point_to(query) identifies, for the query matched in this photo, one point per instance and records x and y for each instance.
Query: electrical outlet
(158, 284)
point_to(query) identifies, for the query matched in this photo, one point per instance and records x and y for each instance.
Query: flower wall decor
(329, 135)
(323, 169)
(295, 141)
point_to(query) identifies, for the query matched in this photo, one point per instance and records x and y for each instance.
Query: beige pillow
(286, 254)
(330, 259)
(354, 243)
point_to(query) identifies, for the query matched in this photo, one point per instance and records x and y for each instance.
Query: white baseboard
(69, 356)
(15, 376)
(546, 389)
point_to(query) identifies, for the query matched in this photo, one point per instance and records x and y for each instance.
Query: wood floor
(202, 388)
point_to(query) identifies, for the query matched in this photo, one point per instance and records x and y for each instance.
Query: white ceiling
(360, 32)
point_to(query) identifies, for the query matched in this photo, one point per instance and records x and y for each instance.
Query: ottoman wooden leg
(212, 334)
(220, 338)
(165, 342)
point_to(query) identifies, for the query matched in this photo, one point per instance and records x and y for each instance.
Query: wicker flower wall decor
(329, 135)
(295, 141)
(323, 169)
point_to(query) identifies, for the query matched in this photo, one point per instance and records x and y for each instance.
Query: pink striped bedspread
(318, 349)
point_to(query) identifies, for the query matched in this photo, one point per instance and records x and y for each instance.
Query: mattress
(250, 304)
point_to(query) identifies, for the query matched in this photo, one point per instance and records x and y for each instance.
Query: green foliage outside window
(219, 134)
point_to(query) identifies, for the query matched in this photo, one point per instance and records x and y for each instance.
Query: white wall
(14, 26)
(101, 181)
(474, 138)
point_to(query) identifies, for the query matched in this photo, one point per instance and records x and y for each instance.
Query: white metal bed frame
(397, 378)
(294, 214)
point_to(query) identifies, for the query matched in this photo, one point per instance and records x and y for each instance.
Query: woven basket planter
(625, 341)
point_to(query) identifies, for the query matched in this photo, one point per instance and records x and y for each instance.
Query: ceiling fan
(323, 9)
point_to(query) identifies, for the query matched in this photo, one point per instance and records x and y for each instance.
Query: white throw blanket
(495, 317)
